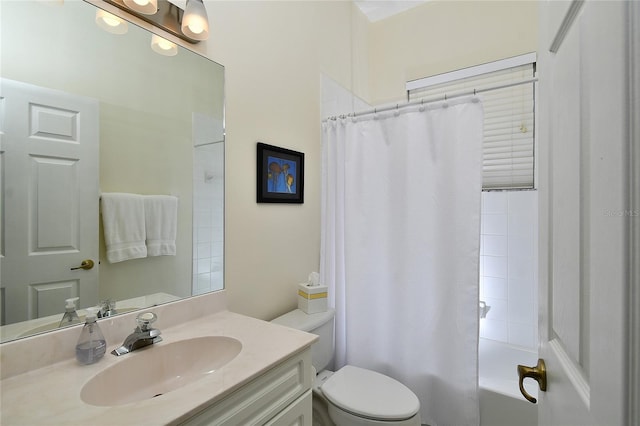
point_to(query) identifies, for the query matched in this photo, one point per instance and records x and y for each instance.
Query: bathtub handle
(538, 373)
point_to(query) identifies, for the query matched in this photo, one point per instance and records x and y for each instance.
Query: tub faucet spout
(484, 309)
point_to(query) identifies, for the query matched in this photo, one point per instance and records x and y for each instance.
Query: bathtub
(501, 403)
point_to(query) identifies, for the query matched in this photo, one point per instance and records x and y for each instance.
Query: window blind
(508, 139)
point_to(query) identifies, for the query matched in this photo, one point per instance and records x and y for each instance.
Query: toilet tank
(320, 324)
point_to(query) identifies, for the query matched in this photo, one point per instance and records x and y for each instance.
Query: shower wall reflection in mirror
(84, 112)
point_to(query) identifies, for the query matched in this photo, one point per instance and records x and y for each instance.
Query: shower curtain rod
(438, 99)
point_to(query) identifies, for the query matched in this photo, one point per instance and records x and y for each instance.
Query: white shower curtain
(400, 249)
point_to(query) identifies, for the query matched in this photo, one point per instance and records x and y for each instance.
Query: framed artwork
(280, 175)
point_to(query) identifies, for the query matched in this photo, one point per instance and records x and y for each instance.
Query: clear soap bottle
(91, 344)
(70, 315)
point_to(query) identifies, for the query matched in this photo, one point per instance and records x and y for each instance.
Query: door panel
(53, 219)
(44, 298)
(566, 195)
(50, 190)
(583, 227)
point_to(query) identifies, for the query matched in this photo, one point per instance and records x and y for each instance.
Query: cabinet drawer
(263, 398)
(297, 414)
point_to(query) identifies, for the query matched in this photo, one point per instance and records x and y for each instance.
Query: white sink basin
(158, 369)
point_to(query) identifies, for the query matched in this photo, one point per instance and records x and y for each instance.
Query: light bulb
(111, 23)
(163, 46)
(145, 7)
(195, 23)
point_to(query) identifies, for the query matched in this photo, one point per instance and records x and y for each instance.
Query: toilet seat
(371, 395)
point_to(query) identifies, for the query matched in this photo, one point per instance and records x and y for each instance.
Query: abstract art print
(280, 175)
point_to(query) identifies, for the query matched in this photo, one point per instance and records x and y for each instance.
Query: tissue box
(312, 298)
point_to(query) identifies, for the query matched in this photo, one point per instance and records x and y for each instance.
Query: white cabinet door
(50, 197)
(584, 210)
(297, 414)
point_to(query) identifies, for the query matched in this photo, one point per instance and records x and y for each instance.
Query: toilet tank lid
(369, 394)
(300, 320)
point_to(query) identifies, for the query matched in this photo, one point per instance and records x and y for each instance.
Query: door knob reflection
(86, 265)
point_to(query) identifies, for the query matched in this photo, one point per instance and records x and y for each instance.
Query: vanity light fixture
(195, 23)
(110, 22)
(146, 7)
(163, 46)
(190, 24)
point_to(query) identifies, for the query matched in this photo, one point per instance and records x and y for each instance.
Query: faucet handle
(107, 304)
(106, 308)
(145, 319)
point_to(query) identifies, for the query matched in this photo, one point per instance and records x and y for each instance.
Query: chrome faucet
(107, 308)
(144, 335)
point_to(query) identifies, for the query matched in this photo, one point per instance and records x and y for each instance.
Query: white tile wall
(208, 218)
(508, 267)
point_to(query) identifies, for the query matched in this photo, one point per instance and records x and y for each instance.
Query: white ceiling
(376, 10)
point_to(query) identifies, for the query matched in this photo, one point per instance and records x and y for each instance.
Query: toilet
(350, 396)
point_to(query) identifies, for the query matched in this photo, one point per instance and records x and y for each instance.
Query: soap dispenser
(70, 315)
(91, 344)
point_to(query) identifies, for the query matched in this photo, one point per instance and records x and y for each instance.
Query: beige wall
(442, 36)
(273, 53)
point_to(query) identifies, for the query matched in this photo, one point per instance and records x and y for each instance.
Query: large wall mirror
(85, 112)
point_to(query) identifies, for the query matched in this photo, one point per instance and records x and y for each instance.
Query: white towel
(124, 231)
(161, 222)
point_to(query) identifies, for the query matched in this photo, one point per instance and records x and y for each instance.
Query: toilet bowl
(320, 405)
(351, 396)
(357, 396)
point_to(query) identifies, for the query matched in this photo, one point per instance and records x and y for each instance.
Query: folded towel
(124, 231)
(161, 223)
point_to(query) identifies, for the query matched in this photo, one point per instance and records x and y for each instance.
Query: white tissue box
(312, 298)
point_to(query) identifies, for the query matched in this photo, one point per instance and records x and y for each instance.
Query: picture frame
(280, 174)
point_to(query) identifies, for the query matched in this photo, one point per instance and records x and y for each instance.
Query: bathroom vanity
(281, 396)
(260, 373)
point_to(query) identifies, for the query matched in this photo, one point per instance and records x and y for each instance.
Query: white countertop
(51, 395)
